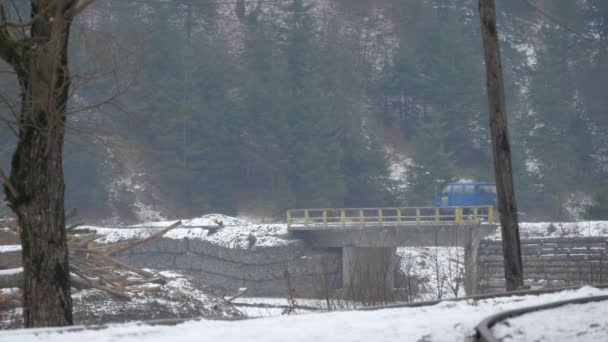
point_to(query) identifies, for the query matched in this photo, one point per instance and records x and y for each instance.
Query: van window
(487, 190)
(465, 189)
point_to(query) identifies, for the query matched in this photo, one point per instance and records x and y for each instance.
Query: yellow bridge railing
(403, 216)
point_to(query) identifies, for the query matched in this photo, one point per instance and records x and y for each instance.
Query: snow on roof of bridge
(235, 233)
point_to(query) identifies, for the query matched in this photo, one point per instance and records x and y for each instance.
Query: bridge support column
(368, 274)
(471, 261)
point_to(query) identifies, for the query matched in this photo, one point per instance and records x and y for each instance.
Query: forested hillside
(185, 107)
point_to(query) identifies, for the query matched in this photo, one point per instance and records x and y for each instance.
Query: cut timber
(96, 284)
(10, 300)
(239, 294)
(12, 280)
(121, 247)
(10, 259)
(92, 266)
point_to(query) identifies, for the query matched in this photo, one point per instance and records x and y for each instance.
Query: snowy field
(446, 321)
(584, 322)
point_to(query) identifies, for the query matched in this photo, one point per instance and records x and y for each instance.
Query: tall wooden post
(500, 147)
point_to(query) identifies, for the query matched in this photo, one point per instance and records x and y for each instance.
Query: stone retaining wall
(261, 269)
(547, 262)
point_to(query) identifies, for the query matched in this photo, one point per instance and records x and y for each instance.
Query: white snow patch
(528, 230)
(533, 166)
(9, 248)
(236, 233)
(576, 204)
(399, 168)
(146, 212)
(528, 50)
(11, 271)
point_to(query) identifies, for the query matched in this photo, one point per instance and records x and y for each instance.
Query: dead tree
(36, 48)
(501, 150)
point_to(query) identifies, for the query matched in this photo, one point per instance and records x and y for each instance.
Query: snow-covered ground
(585, 322)
(529, 230)
(236, 233)
(178, 297)
(269, 307)
(446, 321)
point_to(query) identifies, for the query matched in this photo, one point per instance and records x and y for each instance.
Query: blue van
(461, 194)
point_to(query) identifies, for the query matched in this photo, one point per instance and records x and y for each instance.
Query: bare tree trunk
(41, 64)
(500, 147)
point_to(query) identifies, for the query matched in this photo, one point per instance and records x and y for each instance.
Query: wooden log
(10, 300)
(240, 293)
(11, 280)
(117, 263)
(8, 236)
(121, 247)
(144, 289)
(84, 281)
(93, 266)
(85, 240)
(133, 282)
(71, 228)
(10, 259)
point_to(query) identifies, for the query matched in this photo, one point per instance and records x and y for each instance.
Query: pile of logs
(92, 265)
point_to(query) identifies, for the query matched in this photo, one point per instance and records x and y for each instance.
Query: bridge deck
(357, 218)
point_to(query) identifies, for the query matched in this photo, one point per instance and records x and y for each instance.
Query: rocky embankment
(259, 257)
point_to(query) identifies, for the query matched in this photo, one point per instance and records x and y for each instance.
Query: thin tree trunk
(500, 147)
(37, 173)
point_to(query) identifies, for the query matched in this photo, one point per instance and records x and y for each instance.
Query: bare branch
(8, 47)
(79, 7)
(10, 186)
(10, 125)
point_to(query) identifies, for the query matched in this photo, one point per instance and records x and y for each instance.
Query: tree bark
(500, 148)
(37, 174)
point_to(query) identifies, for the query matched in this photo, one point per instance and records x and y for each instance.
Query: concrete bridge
(368, 238)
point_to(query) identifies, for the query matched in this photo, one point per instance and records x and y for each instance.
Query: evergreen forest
(187, 107)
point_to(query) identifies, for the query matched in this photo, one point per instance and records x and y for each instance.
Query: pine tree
(561, 138)
(433, 164)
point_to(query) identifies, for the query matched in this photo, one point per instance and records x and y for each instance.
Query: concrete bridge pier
(368, 274)
(473, 236)
(369, 243)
